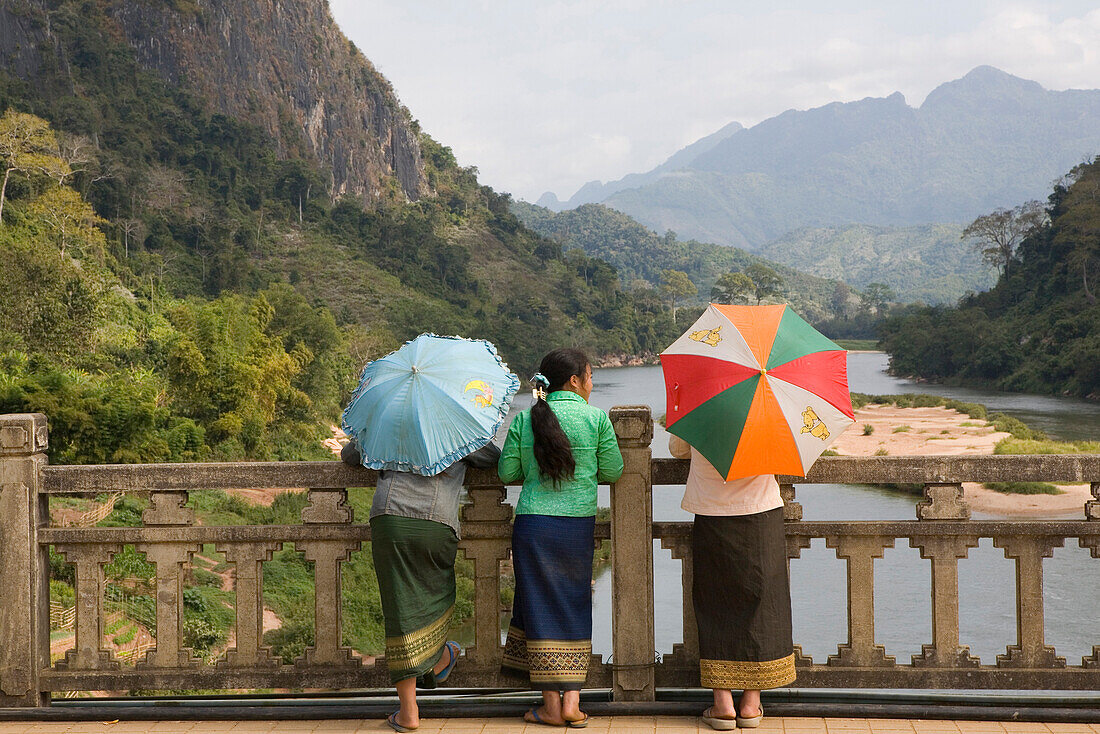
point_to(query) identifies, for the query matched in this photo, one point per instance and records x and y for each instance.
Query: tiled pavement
(598, 725)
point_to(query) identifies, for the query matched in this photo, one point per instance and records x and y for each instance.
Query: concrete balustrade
(941, 531)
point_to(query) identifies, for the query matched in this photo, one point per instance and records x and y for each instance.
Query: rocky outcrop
(281, 64)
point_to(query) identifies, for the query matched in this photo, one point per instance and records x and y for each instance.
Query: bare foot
(571, 706)
(573, 714)
(748, 705)
(544, 717)
(406, 720)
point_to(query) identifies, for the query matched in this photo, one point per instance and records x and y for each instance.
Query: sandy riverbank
(941, 431)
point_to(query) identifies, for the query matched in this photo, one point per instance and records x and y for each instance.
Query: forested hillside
(1038, 329)
(180, 284)
(639, 254)
(927, 263)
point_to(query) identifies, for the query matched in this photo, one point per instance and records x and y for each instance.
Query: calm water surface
(902, 580)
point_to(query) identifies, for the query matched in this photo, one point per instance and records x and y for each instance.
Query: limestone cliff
(281, 64)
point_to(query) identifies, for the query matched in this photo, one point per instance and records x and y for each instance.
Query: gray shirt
(426, 498)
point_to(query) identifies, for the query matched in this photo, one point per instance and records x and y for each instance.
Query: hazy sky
(547, 95)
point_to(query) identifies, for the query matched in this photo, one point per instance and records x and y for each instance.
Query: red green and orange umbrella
(756, 390)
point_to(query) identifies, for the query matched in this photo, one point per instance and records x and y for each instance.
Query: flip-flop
(750, 722)
(719, 723)
(536, 720)
(577, 723)
(454, 648)
(392, 721)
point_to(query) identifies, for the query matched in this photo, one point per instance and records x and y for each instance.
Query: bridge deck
(598, 725)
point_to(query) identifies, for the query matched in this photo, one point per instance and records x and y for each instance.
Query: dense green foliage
(1038, 329)
(176, 289)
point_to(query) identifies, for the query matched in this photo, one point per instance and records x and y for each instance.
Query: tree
(130, 228)
(27, 145)
(842, 293)
(1079, 224)
(875, 298)
(78, 153)
(165, 187)
(732, 288)
(70, 220)
(766, 282)
(995, 236)
(676, 286)
(52, 305)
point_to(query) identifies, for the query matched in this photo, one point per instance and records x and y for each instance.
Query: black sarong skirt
(742, 599)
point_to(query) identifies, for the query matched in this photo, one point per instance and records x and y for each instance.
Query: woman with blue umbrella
(421, 416)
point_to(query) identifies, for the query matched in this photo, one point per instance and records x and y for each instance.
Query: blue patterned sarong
(550, 636)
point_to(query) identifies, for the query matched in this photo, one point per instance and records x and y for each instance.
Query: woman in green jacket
(561, 448)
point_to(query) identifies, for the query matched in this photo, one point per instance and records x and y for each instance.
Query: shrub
(1024, 488)
(868, 429)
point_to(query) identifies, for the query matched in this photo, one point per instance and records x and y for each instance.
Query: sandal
(750, 722)
(724, 722)
(577, 723)
(400, 728)
(454, 648)
(534, 714)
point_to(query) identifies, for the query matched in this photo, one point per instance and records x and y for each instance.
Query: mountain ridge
(985, 140)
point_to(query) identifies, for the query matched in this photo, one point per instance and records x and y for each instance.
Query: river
(902, 579)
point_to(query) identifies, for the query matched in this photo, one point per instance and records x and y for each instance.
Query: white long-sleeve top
(707, 493)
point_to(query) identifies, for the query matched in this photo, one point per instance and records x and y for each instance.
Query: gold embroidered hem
(558, 661)
(515, 650)
(747, 674)
(415, 649)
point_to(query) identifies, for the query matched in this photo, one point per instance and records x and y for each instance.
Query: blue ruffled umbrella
(430, 403)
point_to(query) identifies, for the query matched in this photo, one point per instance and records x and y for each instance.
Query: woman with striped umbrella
(752, 391)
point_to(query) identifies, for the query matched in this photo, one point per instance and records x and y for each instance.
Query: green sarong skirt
(415, 563)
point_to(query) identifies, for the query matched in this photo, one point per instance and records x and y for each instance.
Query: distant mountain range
(984, 141)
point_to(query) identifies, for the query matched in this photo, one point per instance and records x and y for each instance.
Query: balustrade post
(168, 558)
(685, 654)
(860, 553)
(328, 506)
(943, 502)
(1030, 650)
(792, 510)
(89, 559)
(1092, 507)
(24, 567)
(1092, 543)
(248, 584)
(632, 558)
(795, 545)
(945, 553)
(165, 510)
(485, 513)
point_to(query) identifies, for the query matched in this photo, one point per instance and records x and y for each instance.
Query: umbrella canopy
(756, 390)
(430, 403)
